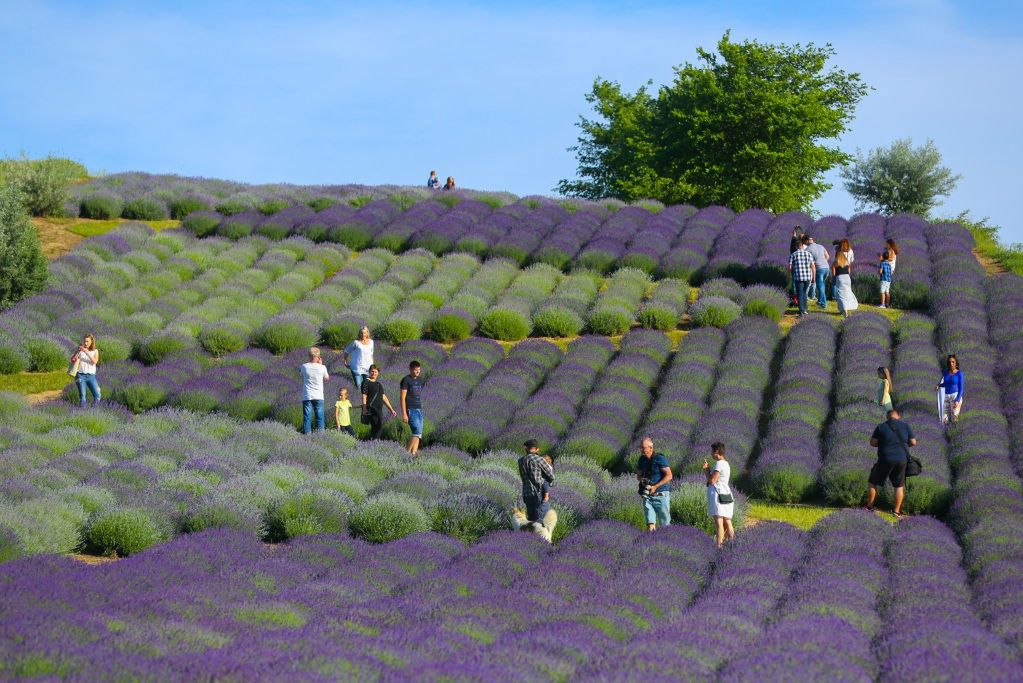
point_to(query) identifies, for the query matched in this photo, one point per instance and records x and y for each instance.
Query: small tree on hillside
(23, 267)
(899, 179)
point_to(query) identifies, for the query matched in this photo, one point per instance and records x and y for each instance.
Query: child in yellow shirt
(343, 413)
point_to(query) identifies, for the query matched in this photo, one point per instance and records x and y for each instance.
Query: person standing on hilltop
(450, 184)
(433, 182)
(841, 271)
(804, 270)
(822, 260)
(797, 237)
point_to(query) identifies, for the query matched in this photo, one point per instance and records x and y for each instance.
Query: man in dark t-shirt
(412, 404)
(892, 438)
(654, 475)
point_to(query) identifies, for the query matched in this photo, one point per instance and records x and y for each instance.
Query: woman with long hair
(893, 251)
(841, 270)
(359, 356)
(953, 383)
(87, 356)
(884, 389)
(845, 247)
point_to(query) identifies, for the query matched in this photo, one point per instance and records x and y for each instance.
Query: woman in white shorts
(720, 503)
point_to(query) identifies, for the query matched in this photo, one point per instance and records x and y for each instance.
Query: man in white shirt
(314, 373)
(822, 259)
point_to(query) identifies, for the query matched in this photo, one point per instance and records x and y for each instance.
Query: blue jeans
(658, 509)
(358, 378)
(536, 508)
(801, 288)
(308, 406)
(415, 421)
(822, 292)
(83, 380)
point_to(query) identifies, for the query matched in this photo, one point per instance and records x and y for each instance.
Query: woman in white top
(88, 359)
(718, 489)
(359, 356)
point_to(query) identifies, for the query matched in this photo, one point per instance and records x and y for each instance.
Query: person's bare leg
(729, 530)
(871, 496)
(720, 523)
(900, 493)
(651, 527)
(413, 445)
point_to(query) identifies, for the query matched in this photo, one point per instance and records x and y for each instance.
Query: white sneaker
(882, 306)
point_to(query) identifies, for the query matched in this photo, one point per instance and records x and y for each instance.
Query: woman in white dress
(359, 356)
(841, 271)
(720, 503)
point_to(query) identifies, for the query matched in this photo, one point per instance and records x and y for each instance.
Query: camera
(644, 486)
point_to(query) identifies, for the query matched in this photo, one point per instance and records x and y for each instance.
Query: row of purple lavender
(678, 241)
(842, 602)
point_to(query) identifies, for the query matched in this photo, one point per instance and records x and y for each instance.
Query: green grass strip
(801, 516)
(34, 382)
(94, 228)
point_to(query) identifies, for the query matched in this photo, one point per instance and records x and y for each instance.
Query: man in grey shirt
(822, 259)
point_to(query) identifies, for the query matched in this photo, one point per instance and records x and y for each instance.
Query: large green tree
(899, 178)
(23, 267)
(744, 127)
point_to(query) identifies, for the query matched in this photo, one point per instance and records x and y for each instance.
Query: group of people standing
(358, 358)
(433, 182)
(894, 437)
(810, 264)
(653, 473)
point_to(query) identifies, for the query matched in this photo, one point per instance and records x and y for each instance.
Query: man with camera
(654, 475)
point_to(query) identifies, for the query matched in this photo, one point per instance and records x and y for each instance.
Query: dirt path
(44, 396)
(56, 239)
(991, 266)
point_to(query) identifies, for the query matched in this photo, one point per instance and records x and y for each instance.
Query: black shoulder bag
(914, 466)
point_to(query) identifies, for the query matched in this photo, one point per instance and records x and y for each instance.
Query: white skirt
(844, 294)
(716, 509)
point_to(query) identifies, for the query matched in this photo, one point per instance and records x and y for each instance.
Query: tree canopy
(744, 127)
(899, 178)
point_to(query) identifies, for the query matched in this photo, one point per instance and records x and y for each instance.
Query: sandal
(870, 508)
(898, 515)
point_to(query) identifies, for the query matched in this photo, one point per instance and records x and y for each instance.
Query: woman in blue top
(953, 384)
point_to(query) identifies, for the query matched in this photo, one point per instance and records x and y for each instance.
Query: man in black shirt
(411, 401)
(892, 438)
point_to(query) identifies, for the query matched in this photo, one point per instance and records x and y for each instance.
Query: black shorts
(895, 472)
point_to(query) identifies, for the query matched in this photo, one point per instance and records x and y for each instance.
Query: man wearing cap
(534, 471)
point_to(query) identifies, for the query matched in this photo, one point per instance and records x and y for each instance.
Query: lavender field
(249, 551)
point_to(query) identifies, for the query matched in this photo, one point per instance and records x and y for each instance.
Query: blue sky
(489, 93)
